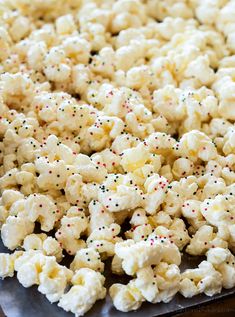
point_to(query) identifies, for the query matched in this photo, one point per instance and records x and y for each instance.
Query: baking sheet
(17, 301)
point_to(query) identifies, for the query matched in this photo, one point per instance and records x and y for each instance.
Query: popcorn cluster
(117, 141)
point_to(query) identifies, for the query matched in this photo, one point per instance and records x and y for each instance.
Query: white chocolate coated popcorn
(144, 253)
(126, 297)
(7, 263)
(86, 290)
(89, 258)
(223, 261)
(44, 271)
(104, 239)
(72, 225)
(117, 145)
(48, 245)
(204, 279)
(203, 240)
(152, 285)
(15, 229)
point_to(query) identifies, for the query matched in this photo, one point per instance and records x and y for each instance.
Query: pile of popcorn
(117, 139)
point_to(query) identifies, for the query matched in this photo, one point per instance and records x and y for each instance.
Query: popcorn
(109, 159)
(19, 130)
(200, 70)
(134, 51)
(176, 231)
(182, 167)
(224, 88)
(178, 192)
(160, 143)
(229, 142)
(51, 277)
(80, 73)
(144, 253)
(87, 258)
(34, 241)
(19, 28)
(102, 64)
(160, 219)
(41, 208)
(90, 12)
(95, 34)
(168, 95)
(25, 151)
(72, 116)
(104, 239)
(203, 240)
(3, 215)
(128, 13)
(48, 245)
(65, 24)
(139, 218)
(54, 151)
(27, 182)
(166, 284)
(116, 266)
(55, 65)
(167, 280)
(134, 158)
(213, 187)
(139, 232)
(9, 197)
(88, 170)
(53, 280)
(117, 138)
(99, 216)
(103, 131)
(223, 261)
(196, 145)
(32, 262)
(219, 211)
(15, 85)
(170, 253)
(15, 229)
(144, 283)
(117, 193)
(123, 142)
(126, 297)
(86, 290)
(155, 186)
(77, 48)
(207, 11)
(139, 175)
(73, 224)
(5, 44)
(51, 174)
(138, 77)
(204, 279)
(191, 211)
(79, 193)
(45, 105)
(7, 263)
(36, 55)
